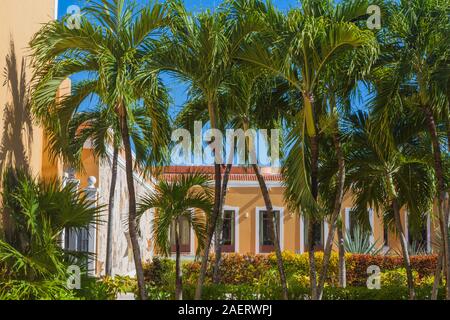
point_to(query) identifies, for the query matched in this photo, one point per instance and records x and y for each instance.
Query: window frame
(258, 247)
(184, 249)
(234, 247)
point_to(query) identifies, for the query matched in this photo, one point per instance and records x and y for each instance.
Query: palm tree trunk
(334, 216)
(342, 269)
(216, 210)
(218, 238)
(178, 280)
(112, 191)
(132, 225)
(404, 245)
(315, 193)
(443, 216)
(211, 229)
(269, 208)
(437, 277)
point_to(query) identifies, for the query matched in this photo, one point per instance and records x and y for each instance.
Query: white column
(92, 194)
(70, 179)
(325, 232)
(302, 233)
(372, 226)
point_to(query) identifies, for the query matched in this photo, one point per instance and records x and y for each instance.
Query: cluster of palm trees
(249, 65)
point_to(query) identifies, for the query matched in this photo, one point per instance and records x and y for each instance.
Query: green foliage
(357, 265)
(359, 242)
(54, 289)
(106, 288)
(36, 213)
(159, 271)
(248, 292)
(260, 271)
(189, 196)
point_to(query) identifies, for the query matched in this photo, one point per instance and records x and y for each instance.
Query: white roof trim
(247, 184)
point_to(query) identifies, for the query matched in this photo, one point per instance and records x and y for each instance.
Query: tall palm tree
(99, 127)
(114, 40)
(256, 101)
(299, 47)
(390, 177)
(200, 52)
(249, 100)
(415, 64)
(340, 80)
(189, 197)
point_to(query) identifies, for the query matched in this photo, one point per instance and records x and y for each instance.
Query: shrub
(397, 278)
(357, 265)
(234, 269)
(247, 292)
(260, 271)
(159, 271)
(41, 290)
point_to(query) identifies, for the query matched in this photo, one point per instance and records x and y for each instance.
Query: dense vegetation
(249, 65)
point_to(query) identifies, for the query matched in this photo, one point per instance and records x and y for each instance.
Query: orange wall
(22, 141)
(248, 199)
(90, 167)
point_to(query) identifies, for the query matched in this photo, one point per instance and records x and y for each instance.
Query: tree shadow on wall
(17, 133)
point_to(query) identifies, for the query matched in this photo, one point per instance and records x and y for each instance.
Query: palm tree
(257, 101)
(189, 197)
(415, 65)
(299, 48)
(389, 177)
(200, 52)
(114, 41)
(100, 128)
(38, 212)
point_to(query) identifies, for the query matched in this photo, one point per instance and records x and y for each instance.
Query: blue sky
(177, 89)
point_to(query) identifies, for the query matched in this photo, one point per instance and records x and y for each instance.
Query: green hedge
(246, 292)
(237, 269)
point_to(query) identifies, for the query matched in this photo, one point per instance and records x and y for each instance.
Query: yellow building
(22, 141)
(247, 227)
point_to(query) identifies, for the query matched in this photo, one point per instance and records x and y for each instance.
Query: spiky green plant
(358, 241)
(35, 214)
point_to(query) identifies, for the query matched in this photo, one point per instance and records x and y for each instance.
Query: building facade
(23, 143)
(247, 228)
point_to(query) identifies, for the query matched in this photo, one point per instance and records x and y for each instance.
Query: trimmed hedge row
(248, 269)
(248, 292)
(357, 266)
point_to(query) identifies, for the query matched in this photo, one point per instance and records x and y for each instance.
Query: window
(266, 230)
(418, 236)
(185, 236)
(386, 234)
(76, 240)
(228, 231)
(353, 225)
(318, 235)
